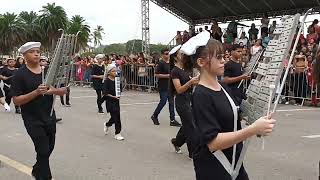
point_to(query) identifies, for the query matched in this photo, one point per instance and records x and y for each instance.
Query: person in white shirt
(243, 39)
(256, 47)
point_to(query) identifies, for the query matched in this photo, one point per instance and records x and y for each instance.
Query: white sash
(230, 168)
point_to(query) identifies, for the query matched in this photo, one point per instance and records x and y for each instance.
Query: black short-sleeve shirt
(97, 70)
(233, 69)
(183, 76)
(163, 68)
(109, 88)
(1, 68)
(8, 73)
(38, 110)
(212, 115)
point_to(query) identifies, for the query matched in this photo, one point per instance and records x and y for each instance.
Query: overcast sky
(121, 19)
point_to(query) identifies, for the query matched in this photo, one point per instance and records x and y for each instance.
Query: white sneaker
(119, 137)
(7, 107)
(105, 128)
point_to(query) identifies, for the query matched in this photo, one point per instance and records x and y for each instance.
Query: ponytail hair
(172, 89)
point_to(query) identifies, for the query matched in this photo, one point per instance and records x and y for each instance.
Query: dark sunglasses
(219, 56)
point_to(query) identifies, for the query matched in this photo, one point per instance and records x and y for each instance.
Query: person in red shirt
(312, 34)
(316, 73)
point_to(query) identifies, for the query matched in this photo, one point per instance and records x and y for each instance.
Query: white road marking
(79, 97)
(144, 103)
(124, 104)
(312, 136)
(293, 110)
(16, 165)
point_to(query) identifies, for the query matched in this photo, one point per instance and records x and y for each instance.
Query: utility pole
(145, 27)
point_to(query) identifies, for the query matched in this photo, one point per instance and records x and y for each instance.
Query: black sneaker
(100, 111)
(18, 111)
(176, 148)
(175, 123)
(58, 119)
(155, 120)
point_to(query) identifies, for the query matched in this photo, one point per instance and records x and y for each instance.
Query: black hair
(18, 64)
(235, 47)
(164, 50)
(187, 66)
(106, 56)
(10, 59)
(315, 22)
(172, 89)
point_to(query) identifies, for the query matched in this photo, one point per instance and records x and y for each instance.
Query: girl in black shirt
(181, 86)
(19, 62)
(112, 102)
(216, 118)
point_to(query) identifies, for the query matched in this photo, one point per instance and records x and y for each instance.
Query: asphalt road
(83, 152)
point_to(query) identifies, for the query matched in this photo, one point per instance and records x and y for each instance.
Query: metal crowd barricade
(76, 80)
(300, 87)
(138, 76)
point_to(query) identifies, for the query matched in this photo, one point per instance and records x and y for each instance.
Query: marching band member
(233, 73)
(162, 72)
(6, 75)
(97, 76)
(215, 113)
(112, 102)
(2, 99)
(180, 76)
(36, 101)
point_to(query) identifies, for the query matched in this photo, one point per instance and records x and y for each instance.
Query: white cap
(190, 47)
(110, 67)
(99, 56)
(29, 45)
(174, 50)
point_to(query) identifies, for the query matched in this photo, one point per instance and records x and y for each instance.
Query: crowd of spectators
(303, 71)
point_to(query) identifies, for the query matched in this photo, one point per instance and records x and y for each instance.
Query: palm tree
(12, 32)
(52, 19)
(32, 26)
(97, 35)
(77, 23)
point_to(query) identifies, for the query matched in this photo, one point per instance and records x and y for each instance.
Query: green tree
(134, 46)
(115, 48)
(12, 32)
(97, 35)
(157, 47)
(32, 27)
(77, 23)
(52, 19)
